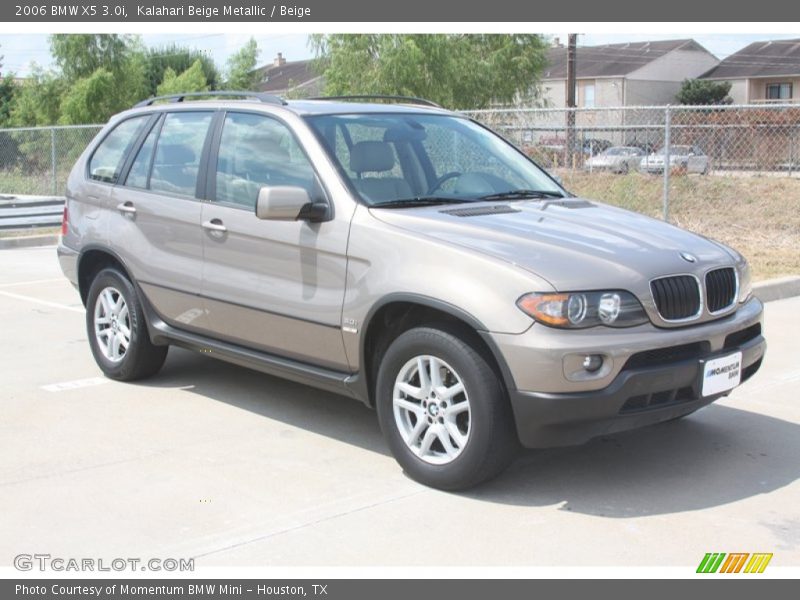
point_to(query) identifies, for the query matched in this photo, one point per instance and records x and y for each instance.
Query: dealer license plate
(722, 374)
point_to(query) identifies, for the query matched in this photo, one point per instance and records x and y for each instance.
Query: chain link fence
(584, 146)
(37, 160)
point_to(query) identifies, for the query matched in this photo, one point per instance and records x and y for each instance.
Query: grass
(759, 216)
(7, 233)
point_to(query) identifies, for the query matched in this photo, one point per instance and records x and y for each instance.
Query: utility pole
(572, 43)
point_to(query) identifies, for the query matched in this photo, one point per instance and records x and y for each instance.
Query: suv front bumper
(655, 376)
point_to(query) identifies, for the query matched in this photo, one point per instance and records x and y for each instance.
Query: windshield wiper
(522, 195)
(419, 201)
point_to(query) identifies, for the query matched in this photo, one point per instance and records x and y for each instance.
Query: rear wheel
(443, 411)
(117, 330)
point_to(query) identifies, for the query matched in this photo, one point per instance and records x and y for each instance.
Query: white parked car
(688, 158)
(617, 159)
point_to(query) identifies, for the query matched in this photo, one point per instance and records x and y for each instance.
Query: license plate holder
(720, 374)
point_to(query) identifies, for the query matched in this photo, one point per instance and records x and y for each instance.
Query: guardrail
(28, 212)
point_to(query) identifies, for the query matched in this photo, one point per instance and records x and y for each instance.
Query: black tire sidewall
(139, 342)
(490, 435)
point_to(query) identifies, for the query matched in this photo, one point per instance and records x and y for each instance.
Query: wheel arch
(91, 261)
(395, 313)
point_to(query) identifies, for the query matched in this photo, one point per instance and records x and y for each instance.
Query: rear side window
(139, 174)
(108, 158)
(176, 162)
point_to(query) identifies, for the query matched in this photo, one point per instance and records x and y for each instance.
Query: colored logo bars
(735, 562)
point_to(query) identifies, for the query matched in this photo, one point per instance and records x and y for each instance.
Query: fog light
(592, 362)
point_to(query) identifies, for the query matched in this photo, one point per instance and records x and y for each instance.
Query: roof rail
(260, 96)
(408, 99)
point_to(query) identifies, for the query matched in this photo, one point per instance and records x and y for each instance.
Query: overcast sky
(21, 50)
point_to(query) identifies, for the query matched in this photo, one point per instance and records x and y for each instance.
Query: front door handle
(215, 226)
(127, 208)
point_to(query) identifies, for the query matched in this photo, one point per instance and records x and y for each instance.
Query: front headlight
(745, 281)
(578, 310)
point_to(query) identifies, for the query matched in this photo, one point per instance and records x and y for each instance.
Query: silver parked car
(405, 256)
(617, 159)
(686, 158)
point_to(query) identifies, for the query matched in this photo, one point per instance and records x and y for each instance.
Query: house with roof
(629, 74)
(762, 72)
(290, 78)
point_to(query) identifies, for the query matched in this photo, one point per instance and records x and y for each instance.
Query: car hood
(574, 244)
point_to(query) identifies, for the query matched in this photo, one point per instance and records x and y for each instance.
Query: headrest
(371, 156)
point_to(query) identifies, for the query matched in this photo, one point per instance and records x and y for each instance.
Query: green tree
(104, 74)
(241, 68)
(91, 99)
(457, 71)
(80, 55)
(704, 91)
(38, 99)
(179, 59)
(191, 80)
(8, 89)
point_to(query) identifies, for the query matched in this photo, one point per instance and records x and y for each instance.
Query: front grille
(658, 400)
(720, 289)
(677, 297)
(666, 356)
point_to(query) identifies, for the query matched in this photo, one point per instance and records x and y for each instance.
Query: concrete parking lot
(236, 468)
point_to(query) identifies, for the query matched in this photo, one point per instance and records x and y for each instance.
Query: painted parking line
(42, 302)
(75, 384)
(31, 282)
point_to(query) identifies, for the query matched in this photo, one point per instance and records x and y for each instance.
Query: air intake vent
(480, 211)
(677, 297)
(720, 289)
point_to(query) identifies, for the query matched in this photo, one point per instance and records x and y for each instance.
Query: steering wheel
(442, 180)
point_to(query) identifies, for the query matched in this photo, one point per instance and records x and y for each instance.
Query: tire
(476, 423)
(117, 330)
(623, 170)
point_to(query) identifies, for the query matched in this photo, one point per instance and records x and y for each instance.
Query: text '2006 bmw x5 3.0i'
(408, 257)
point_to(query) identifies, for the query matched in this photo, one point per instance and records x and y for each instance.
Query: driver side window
(257, 151)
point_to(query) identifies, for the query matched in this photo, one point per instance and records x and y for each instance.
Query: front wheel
(117, 330)
(444, 413)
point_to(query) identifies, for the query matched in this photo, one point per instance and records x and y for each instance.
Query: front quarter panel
(387, 261)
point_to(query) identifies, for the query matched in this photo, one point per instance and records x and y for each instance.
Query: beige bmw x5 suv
(405, 256)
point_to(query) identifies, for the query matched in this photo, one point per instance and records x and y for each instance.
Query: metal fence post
(53, 158)
(667, 117)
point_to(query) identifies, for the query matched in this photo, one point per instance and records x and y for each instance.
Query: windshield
(391, 158)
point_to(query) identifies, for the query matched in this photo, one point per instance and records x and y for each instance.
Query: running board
(329, 380)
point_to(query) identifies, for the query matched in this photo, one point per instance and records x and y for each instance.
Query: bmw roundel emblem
(688, 257)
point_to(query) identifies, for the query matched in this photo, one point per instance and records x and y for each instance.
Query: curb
(29, 241)
(777, 289)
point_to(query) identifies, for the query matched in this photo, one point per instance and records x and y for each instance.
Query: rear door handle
(215, 226)
(127, 208)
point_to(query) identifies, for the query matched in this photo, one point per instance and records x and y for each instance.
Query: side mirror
(288, 203)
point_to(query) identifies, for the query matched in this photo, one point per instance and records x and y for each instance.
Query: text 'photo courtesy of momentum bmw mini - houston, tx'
(406, 256)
